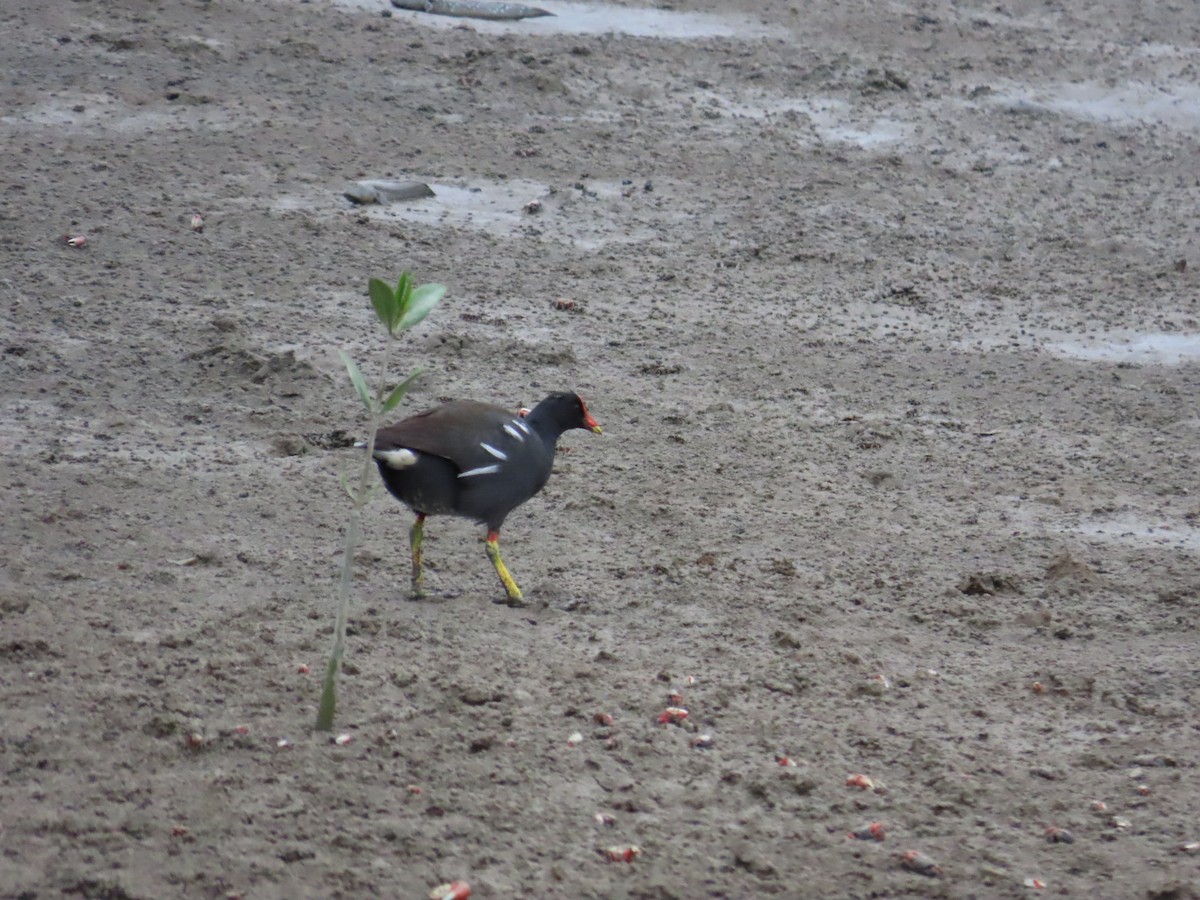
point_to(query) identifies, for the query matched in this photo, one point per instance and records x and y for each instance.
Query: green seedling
(398, 309)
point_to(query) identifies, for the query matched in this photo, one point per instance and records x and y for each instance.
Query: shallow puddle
(1126, 104)
(1164, 349)
(830, 120)
(1133, 530)
(589, 217)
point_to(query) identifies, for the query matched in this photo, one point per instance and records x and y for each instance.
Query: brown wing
(453, 431)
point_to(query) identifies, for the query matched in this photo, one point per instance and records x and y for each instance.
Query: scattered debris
(384, 192)
(988, 584)
(672, 715)
(283, 742)
(74, 240)
(533, 207)
(602, 718)
(860, 781)
(302, 669)
(1035, 883)
(472, 9)
(702, 742)
(622, 854)
(575, 739)
(1121, 822)
(197, 222)
(1055, 835)
(342, 740)
(604, 819)
(872, 832)
(455, 890)
(916, 861)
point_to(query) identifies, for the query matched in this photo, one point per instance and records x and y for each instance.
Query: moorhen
(474, 460)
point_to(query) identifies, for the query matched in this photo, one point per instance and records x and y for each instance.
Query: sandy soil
(886, 310)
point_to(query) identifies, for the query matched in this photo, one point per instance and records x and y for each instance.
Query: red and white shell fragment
(455, 890)
(872, 832)
(673, 715)
(860, 781)
(622, 854)
(916, 861)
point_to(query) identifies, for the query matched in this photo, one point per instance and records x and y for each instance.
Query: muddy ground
(886, 309)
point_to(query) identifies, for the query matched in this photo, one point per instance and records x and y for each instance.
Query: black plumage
(474, 460)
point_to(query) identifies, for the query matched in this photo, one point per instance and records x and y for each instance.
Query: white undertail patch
(397, 459)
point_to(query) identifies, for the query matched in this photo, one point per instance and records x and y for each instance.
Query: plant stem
(328, 705)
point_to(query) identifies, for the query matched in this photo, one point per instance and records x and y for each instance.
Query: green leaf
(420, 304)
(356, 377)
(403, 290)
(398, 392)
(387, 309)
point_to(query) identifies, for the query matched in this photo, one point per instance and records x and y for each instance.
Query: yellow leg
(493, 552)
(415, 536)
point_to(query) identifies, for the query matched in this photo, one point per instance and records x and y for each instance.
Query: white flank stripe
(521, 425)
(499, 454)
(397, 459)
(514, 433)
(482, 470)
